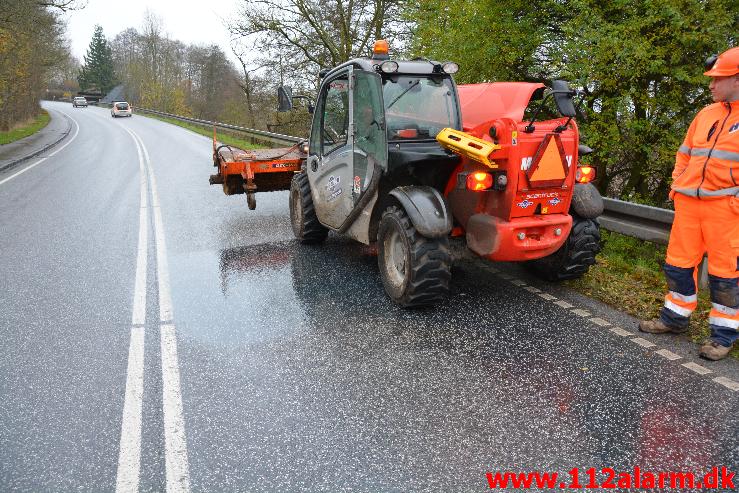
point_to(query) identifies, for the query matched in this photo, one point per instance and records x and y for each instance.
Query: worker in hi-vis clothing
(705, 189)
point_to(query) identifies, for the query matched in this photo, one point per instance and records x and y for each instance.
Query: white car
(79, 101)
(121, 108)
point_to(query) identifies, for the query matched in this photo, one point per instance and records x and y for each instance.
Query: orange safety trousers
(704, 226)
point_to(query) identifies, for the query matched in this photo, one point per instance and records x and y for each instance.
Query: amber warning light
(585, 174)
(479, 181)
(381, 47)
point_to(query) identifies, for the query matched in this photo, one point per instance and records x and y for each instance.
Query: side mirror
(284, 98)
(563, 98)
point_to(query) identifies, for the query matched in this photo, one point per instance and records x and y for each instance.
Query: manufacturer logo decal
(526, 163)
(514, 138)
(734, 128)
(357, 185)
(526, 203)
(554, 201)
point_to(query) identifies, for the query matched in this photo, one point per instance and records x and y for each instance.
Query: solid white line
(129, 455)
(175, 442)
(76, 131)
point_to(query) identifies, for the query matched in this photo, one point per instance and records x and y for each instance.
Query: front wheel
(303, 218)
(575, 256)
(415, 270)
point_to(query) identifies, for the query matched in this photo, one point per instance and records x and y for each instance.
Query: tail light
(585, 174)
(479, 181)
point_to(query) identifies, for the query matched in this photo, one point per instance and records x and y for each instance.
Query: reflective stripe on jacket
(707, 164)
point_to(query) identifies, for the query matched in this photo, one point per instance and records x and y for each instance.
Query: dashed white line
(667, 354)
(700, 370)
(642, 342)
(600, 321)
(728, 383)
(129, 453)
(580, 312)
(76, 131)
(547, 296)
(563, 304)
(532, 289)
(621, 332)
(518, 282)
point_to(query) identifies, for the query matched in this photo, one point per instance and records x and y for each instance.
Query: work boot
(656, 326)
(714, 351)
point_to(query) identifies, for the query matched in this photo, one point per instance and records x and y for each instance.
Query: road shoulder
(26, 148)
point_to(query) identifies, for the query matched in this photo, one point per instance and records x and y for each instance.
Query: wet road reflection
(302, 375)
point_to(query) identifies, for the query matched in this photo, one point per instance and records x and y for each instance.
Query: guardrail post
(703, 273)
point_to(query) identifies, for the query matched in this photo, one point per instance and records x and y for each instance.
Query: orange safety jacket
(707, 164)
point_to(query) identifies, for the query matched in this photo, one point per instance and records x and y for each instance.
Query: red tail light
(479, 181)
(585, 174)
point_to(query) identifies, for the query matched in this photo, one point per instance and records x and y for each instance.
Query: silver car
(79, 101)
(121, 108)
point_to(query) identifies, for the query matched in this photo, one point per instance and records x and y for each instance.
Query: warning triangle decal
(549, 168)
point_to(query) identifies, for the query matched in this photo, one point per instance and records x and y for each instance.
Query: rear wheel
(303, 218)
(575, 257)
(415, 270)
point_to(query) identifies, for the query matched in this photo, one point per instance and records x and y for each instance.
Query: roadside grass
(223, 136)
(628, 275)
(25, 129)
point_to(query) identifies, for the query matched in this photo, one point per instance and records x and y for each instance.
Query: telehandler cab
(400, 155)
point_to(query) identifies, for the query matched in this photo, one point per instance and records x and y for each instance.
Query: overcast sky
(192, 22)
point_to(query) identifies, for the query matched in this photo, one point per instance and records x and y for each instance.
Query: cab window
(335, 118)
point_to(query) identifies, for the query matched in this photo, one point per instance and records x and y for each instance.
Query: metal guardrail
(260, 135)
(636, 220)
(644, 222)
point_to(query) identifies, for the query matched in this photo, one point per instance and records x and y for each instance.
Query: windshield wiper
(418, 81)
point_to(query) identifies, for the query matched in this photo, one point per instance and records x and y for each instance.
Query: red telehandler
(398, 154)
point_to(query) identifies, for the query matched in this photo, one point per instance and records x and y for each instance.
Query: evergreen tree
(97, 70)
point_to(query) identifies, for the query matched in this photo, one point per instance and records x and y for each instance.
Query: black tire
(251, 200)
(415, 270)
(575, 257)
(303, 218)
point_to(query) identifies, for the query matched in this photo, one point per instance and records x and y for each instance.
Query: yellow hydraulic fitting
(468, 146)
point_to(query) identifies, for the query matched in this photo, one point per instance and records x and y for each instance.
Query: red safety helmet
(723, 65)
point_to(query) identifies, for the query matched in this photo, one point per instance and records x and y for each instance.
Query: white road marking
(666, 353)
(600, 321)
(507, 277)
(76, 131)
(547, 296)
(129, 453)
(518, 282)
(622, 332)
(642, 342)
(532, 289)
(563, 304)
(728, 383)
(581, 313)
(700, 370)
(175, 443)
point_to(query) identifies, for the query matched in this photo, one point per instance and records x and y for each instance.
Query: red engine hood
(484, 102)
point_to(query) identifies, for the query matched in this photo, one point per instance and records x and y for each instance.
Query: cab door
(348, 144)
(370, 136)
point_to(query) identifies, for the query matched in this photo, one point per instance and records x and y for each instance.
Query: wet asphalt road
(296, 372)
